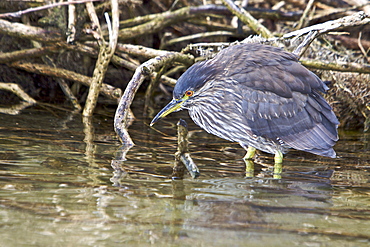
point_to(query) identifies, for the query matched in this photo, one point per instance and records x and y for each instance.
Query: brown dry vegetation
(46, 65)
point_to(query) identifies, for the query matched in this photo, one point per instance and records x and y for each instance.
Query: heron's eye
(189, 93)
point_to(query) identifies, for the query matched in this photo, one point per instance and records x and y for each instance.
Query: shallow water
(58, 188)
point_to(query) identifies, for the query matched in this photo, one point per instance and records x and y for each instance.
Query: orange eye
(189, 93)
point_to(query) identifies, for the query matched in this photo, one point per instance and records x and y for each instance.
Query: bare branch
(248, 19)
(357, 19)
(28, 53)
(63, 85)
(337, 66)
(28, 32)
(71, 23)
(121, 116)
(22, 12)
(17, 90)
(303, 21)
(196, 36)
(95, 22)
(105, 55)
(108, 90)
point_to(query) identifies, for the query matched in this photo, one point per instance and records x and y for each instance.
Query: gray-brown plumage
(259, 96)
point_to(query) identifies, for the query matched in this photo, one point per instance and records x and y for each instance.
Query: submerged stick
(183, 154)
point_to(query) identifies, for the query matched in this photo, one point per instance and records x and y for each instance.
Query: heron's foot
(251, 151)
(249, 168)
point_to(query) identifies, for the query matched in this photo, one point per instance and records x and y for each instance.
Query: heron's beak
(173, 106)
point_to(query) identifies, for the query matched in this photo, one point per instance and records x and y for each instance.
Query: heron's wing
(281, 100)
(266, 68)
(304, 122)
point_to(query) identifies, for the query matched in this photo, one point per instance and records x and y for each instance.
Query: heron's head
(189, 86)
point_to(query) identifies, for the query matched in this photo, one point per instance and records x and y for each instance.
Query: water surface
(58, 188)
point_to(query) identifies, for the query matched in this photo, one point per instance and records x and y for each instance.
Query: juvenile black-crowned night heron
(259, 96)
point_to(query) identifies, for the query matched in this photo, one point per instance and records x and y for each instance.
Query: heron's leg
(250, 153)
(249, 168)
(249, 165)
(278, 167)
(278, 157)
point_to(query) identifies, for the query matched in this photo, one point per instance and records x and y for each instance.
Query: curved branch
(121, 117)
(17, 90)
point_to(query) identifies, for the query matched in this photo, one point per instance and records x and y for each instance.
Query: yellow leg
(250, 153)
(278, 167)
(249, 168)
(278, 157)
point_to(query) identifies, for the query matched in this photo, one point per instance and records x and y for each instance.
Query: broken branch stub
(183, 154)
